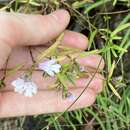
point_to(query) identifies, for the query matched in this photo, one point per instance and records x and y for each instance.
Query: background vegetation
(107, 25)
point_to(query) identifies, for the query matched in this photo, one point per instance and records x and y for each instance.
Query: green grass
(107, 25)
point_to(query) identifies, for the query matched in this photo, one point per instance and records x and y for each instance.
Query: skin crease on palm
(19, 31)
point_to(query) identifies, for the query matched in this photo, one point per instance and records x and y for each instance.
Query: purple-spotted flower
(26, 87)
(50, 67)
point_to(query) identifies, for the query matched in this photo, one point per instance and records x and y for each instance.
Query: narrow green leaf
(111, 70)
(114, 90)
(91, 39)
(87, 53)
(14, 70)
(120, 28)
(50, 49)
(116, 47)
(95, 5)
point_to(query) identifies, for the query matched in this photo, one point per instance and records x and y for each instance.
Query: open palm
(18, 31)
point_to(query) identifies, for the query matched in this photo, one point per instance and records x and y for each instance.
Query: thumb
(21, 29)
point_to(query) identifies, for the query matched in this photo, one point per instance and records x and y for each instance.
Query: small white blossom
(82, 68)
(26, 87)
(31, 89)
(50, 67)
(71, 97)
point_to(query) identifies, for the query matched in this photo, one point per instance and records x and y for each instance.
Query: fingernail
(61, 16)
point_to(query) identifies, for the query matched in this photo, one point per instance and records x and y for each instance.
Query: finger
(74, 40)
(21, 29)
(23, 54)
(43, 102)
(19, 56)
(93, 81)
(48, 83)
(91, 62)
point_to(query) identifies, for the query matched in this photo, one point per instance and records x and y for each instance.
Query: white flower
(71, 97)
(82, 68)
(31, 89)
(50, 67)
(28, 88)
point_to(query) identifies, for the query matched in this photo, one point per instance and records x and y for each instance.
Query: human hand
(19, 31)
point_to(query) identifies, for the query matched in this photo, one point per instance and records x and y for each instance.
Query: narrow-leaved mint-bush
(82, 68)
(26, 87)
(50, 67)
(71, 97)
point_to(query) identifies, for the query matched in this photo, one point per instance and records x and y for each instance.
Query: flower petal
(51, 73)
(27, 87)
(50, 67)
(19, 90)
(72, 97)
(18, 85)
(51, 62)
(30, 89)
(18, 82)
(47, 64)
(56, 68)
(28, 93)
